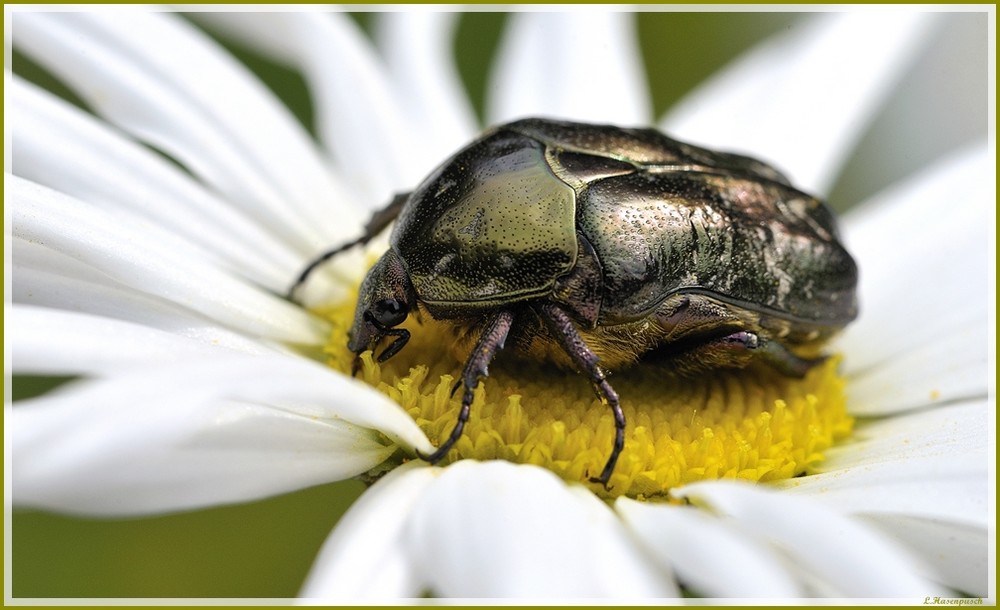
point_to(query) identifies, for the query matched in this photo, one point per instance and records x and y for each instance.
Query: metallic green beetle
(580, 244)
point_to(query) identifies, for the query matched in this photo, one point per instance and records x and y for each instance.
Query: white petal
(143, 257)
(52, 342)
(924, 268)
(359, 115)
(930, 464)
(923, 478)
(496, 529)
(950, 364)
(803, 100)
(166, 83)
(247, 28)
(584, 66)
(844, 554)
(126, 305)
(47, 341)
(365, 558)
(46, 278)
(65, 149)
(416, 46)
(711, 558)
(958, 553)
(940, 104)
(30, 256)
(199, 433)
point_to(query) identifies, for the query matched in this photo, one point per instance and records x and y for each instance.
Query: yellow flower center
(753, 424)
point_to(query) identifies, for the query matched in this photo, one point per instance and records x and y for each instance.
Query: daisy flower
(153, 235)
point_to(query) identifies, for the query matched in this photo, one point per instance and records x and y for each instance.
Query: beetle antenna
(322, 258)
(379, 221)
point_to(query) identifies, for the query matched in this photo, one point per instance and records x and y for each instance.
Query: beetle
(594, 247)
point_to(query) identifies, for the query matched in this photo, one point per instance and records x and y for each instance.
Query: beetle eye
(389, 312)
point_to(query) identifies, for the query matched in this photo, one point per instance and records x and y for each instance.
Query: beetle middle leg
(563, 329)
(476, 367)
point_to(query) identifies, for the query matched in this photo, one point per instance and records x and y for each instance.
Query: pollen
(752, 424)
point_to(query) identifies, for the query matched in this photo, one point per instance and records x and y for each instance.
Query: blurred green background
(264, 549)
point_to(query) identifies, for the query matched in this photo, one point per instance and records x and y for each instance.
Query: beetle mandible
(594, 246)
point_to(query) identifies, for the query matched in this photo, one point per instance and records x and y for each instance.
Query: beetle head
(384, 301)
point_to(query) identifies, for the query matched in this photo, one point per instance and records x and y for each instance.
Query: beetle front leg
(563, 329)
(476, 367)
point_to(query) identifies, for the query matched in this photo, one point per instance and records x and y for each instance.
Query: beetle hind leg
(785, 361)
(738, 349)
(476, 367)
(745, 344)
(703, 334)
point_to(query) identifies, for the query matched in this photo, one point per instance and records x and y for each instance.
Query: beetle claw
(456, 432)
(602, 481)
(435, 457)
